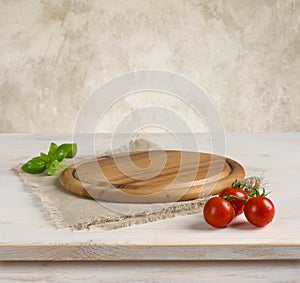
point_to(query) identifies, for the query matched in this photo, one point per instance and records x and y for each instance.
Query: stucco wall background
(244, 54)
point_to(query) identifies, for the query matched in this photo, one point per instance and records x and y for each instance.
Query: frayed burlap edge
(53, 213)
(181, 209)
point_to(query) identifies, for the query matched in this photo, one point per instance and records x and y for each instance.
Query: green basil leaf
(53, 147)
(35, 165)
(52, 160)
(51, 152)
(72, 152)
(44, 156)
(69, 148)
(59, 154)
(54, 166)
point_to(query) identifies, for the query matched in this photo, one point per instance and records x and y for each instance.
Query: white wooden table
(173, 250)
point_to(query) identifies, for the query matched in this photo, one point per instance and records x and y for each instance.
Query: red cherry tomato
(259, 211)
(218, 212)
(238, 204)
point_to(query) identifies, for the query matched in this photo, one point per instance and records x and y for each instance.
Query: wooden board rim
(75, 186)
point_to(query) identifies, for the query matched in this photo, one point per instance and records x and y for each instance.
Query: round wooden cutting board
(151, 176)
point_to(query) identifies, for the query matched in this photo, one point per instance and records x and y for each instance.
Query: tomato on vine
(259, 211)
(218, 212)
(241, 197)
(236, 197)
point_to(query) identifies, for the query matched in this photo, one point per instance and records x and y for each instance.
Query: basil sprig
(51, 161)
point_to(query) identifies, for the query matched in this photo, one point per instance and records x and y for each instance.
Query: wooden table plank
(140, 272)
(23, 226)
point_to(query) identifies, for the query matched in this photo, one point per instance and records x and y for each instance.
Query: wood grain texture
(156, 176)
(124, 252)
(25, 232)
(141, 272)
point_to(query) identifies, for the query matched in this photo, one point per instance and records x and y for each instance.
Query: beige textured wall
(244, 54)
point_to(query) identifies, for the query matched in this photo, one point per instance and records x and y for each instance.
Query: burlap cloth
(66, 210)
